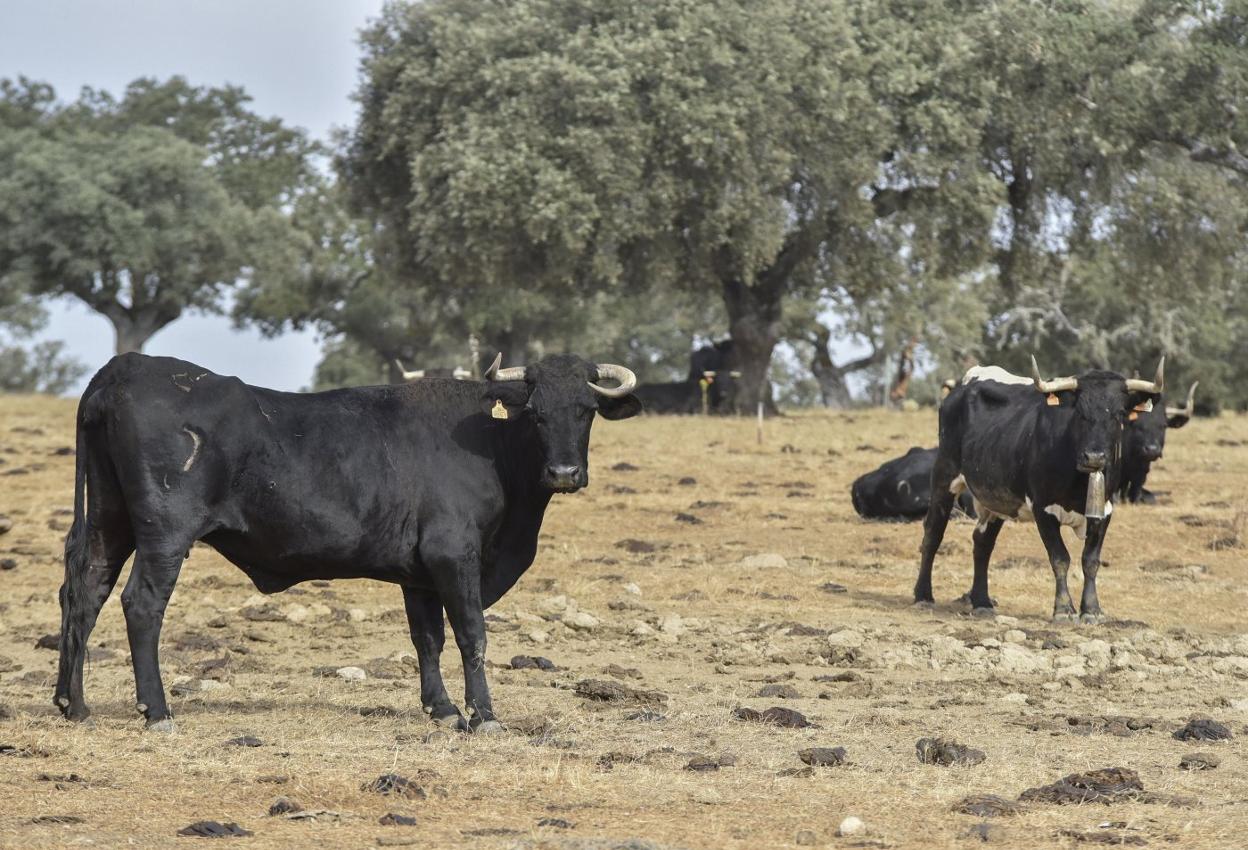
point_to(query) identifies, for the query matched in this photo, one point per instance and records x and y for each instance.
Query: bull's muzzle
(1091, 461)
(564, 479)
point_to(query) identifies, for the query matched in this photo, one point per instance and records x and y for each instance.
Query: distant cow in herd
(1145, 442)
(709, 387)
(1033, 449)
(438, 486)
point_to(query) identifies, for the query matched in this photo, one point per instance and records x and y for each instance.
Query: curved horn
(610, 371)
(409, 376)
(511, 373)
(1156, 385)
(1056, 385)
(1188, 409)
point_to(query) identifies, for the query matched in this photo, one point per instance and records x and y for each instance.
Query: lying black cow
(1144, 444)
(1025, 449)
(901, 489)
(437, 486)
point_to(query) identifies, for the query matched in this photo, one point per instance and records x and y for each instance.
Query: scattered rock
(351, 674)
(1103, 836)
(8, 564)
(1199, 761)
(987, 806)
(244, 741)
(393, 819)
(776, 716)
(266, 613)
(532, 662)
(947, 752)
(637, 547)
(1106, 785)
(601, 690)
(392, 784)
(823, 756)
(805, 838)
(1122, 726)
(581, 621)
(213, 829)
(555, 823)
(851, 826)
(284, 806)
(1203, 729)
(778, 692)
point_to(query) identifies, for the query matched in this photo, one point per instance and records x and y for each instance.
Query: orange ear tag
(498, 411)
(1133, 416)
(1052, 400)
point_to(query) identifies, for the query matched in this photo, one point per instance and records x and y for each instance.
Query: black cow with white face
(1027, 449)
(439, 487)
(901, 489)
(1145, 443)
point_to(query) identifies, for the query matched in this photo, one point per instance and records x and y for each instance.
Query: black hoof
(965, 599)
(448, 717)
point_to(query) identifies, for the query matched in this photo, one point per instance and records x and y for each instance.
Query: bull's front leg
(1089, 606)
(1059, 559)
(424, 620)
(458, 579)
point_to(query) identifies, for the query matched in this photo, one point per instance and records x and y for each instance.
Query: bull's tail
(85, 586)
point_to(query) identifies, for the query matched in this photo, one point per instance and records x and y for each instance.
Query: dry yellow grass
(789, 497)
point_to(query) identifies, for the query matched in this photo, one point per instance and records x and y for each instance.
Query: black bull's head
(1146, 436)
(559, 396)
(1104, 404)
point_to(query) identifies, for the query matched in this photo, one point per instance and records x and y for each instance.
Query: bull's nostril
(1094, 460)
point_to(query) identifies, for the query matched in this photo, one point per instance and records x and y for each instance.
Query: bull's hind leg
(144, 601)
(91, 570)
(943, 474)
(1059, 559)
(424, 621)
(1089, 605)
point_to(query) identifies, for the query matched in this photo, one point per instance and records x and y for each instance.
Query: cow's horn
(1056, 385)
(511, 373)
(409, 376)
(610, 371)
(1188, 409)
(1156, 385)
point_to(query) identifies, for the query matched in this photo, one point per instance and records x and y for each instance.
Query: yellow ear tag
(498, 411)
(1146, 406)
(1052, 400)
(1133, 416)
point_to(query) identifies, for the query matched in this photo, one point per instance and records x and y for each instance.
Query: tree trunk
(831, 378)
(754, 314)
(134, 329)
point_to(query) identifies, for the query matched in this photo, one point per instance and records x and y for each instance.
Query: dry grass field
(664, 557)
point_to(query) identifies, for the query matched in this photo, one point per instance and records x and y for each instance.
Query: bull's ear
(1138, 402)
(504, 399)
(619, 408)
(1178, 420)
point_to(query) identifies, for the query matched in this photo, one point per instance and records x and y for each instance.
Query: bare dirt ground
(716, 574)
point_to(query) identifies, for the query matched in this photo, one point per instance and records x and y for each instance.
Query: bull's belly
(990, 504)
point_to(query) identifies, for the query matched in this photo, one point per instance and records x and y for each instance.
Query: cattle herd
(440, 485)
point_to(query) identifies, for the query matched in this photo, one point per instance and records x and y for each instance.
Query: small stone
(805, 838)
(351, 674)
(391, 784)
(1015, 636)
(632, 588)
(582, 621)
(284, 806)
(1203, 729)
(823, 756)
(947, 752)
(672, 625)
(245, 741)
(538, 636)
(851, 826)
(1199, 761)
(8, 564)
(393, 819)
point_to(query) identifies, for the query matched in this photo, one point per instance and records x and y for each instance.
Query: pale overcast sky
(297, 59)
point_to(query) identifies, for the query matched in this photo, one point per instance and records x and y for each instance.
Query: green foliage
(42, 368)
(146, 206)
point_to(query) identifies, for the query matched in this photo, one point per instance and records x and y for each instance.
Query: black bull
(901, 489)
(1028, 454)
(1146, 442)
(438, 486)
